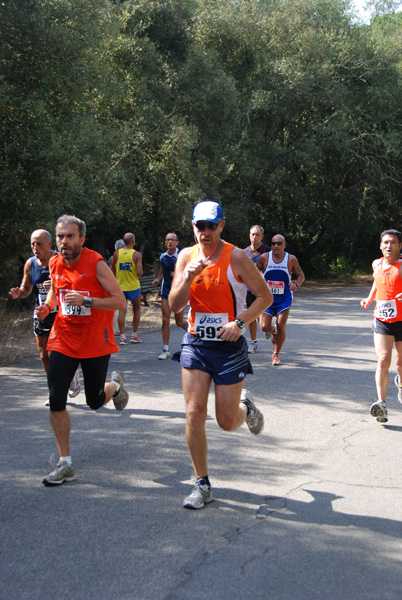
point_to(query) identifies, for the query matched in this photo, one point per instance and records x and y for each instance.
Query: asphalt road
(309, 510)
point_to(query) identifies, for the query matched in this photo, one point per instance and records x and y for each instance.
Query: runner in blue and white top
(254, 251)
(168, 262)
(277, 268)
(36, 279)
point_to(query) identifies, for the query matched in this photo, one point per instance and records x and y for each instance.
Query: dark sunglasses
(276, 243)
(201, 225)
(170, 240)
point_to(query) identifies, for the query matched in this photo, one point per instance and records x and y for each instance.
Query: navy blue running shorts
(165, 291)
(249, 298)
(227, 362)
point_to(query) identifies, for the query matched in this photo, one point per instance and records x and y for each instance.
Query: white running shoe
(61, 473)
(201, 495)
(379, 411)
(165, 354)
(269, 334)
(255, 418)
(397, 382)
(120, 398)
(75, 386)
(253, 347)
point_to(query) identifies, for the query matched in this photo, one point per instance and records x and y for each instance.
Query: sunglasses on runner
(276, 243)
(201, 225)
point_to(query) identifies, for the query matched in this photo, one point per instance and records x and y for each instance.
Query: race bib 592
(208, 325)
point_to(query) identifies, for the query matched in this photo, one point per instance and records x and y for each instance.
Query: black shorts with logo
(43, 327)
(384, 328)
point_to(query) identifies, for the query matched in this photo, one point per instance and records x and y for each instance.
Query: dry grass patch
(18, 340)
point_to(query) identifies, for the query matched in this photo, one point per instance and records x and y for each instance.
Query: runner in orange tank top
(214, 276)
(387, 291)
(87, 294)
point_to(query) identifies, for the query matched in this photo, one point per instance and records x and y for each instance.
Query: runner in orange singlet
(87, 294)
(214, 277)
(387, 290)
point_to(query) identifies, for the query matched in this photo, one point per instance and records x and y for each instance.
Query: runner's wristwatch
(88, 301)
(239, 323)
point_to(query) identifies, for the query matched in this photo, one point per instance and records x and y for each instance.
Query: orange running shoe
(275, 359)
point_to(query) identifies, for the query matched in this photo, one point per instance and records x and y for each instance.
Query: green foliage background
(287, 112)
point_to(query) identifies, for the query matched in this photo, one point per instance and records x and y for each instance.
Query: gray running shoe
(120, 399)
(61, 473)
(397, 381)
(269, 334)
(255, 418)
(75, 386)
(253, 347)
(201, 495)
(379, 411)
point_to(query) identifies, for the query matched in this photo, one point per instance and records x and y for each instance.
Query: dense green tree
(177, 114)
(312, 91)
(52, 68)
(127, 113)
